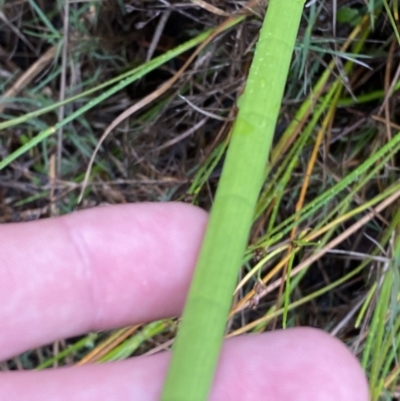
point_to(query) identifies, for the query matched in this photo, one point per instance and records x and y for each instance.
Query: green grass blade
(44, 19)
(131, 77)
(86, 342)
(131, 344)
(200, 337)
(123, 80)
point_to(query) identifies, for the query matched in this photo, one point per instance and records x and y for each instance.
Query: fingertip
(334, 364)
(294, 364)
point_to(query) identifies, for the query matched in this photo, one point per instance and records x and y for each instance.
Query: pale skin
(115, 266)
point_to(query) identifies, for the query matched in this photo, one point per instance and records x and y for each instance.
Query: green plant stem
(200, 337)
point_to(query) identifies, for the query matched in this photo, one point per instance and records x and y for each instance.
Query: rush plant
(200, 336)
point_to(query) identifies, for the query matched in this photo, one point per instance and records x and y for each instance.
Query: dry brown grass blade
(157, 34)
(29, 75)
(109, 344)
(245, 302)
(300, 203)
(383, 121)
(157, 93)
(284, 143)
(209, 7)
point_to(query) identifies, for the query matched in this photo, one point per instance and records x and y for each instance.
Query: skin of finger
(93, 270)
(296, 364)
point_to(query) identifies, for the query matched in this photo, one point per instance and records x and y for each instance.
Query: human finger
(286, 365)
(93, 270)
